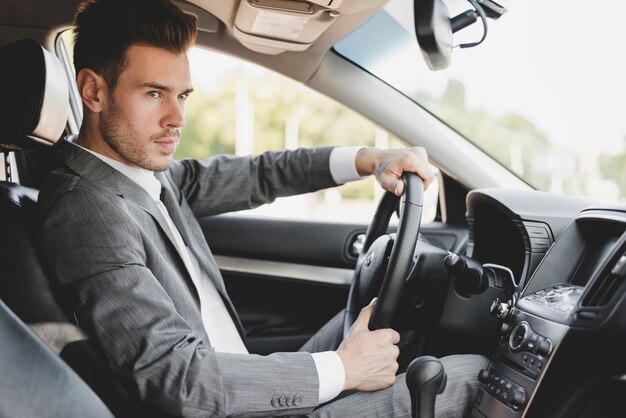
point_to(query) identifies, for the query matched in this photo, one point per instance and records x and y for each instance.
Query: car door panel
(288, 277)
(295, 241)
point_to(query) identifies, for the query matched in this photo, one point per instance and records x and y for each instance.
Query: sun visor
(275, 26)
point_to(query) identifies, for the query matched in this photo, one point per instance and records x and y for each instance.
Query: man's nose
(175, 115)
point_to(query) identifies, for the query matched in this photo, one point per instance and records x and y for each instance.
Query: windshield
(543, 94)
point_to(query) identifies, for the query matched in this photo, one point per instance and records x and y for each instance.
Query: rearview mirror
(434, 28)
(434, 32)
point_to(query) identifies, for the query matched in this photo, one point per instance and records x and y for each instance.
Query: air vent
(539, 236)
(603, 289)
(469, 249)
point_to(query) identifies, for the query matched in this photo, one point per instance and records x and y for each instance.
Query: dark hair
(105, 29)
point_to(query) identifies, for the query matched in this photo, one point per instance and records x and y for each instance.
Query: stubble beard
(124, 143)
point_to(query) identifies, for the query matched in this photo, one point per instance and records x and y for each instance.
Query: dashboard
(516, 228)
(561, 338)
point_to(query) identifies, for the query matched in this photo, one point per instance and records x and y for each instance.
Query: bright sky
(560, 63)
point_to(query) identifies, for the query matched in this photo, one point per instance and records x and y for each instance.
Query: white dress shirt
(216, 319)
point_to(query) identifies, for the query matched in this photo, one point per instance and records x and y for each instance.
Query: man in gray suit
(119, 230)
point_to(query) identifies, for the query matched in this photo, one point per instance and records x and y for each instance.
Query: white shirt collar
(144, 178)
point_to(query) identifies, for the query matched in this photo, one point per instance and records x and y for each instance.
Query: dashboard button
(518, 398)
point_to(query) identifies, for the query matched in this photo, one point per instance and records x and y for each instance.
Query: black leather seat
(34, 381)
(35, 121)
(30, 295)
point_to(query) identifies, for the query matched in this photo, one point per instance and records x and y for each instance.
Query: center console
(573, 287)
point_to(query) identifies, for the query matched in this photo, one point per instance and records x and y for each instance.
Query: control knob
(518, 399)
(544, 347)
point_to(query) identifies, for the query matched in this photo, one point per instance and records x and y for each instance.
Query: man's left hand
(388, 166)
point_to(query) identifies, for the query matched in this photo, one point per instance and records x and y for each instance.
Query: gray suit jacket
(110, 248)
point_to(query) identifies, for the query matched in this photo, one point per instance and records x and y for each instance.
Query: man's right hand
(369, 357)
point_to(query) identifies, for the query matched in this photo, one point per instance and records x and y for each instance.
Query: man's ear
(92, 89)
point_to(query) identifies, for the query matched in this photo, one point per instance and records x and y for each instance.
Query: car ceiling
(34, 18)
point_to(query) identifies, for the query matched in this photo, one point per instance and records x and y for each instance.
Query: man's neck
(94, 142)
(142, 177)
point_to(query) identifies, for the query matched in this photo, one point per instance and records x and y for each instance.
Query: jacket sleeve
(226, 183)
(95, 250)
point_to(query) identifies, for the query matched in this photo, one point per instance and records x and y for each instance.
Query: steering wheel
(373, 275)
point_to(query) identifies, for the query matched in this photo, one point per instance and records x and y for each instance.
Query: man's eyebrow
(161, 87)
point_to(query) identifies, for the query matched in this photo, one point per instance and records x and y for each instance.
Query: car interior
(531, 279)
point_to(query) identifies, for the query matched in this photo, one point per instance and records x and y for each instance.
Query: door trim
(327, 275)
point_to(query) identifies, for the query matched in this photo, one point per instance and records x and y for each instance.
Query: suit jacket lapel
(94, 169)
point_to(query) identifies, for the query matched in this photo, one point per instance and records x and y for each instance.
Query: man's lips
(167, 140)
(167, 144)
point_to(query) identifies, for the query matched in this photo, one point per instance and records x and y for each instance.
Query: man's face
(142, 120)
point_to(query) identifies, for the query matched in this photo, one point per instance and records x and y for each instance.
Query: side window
(241, 108)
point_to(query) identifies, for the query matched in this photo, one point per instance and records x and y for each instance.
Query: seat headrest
(35, 93)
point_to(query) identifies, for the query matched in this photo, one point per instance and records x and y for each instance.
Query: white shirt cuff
(342, 164)
(331, 374)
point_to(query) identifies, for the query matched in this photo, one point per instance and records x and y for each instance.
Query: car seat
(36, 93)
(34, 381)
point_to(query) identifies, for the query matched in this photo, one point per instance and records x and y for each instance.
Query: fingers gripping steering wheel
(372, 271)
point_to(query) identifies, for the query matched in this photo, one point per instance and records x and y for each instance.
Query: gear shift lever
(425, 378)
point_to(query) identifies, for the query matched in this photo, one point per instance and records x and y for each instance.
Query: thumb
(361, 323)
(392, 183)
(398, 187)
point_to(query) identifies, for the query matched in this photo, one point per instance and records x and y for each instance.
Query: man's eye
(183, 96)
(154, 94)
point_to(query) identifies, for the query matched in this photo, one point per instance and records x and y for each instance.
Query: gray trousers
(455, 401)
